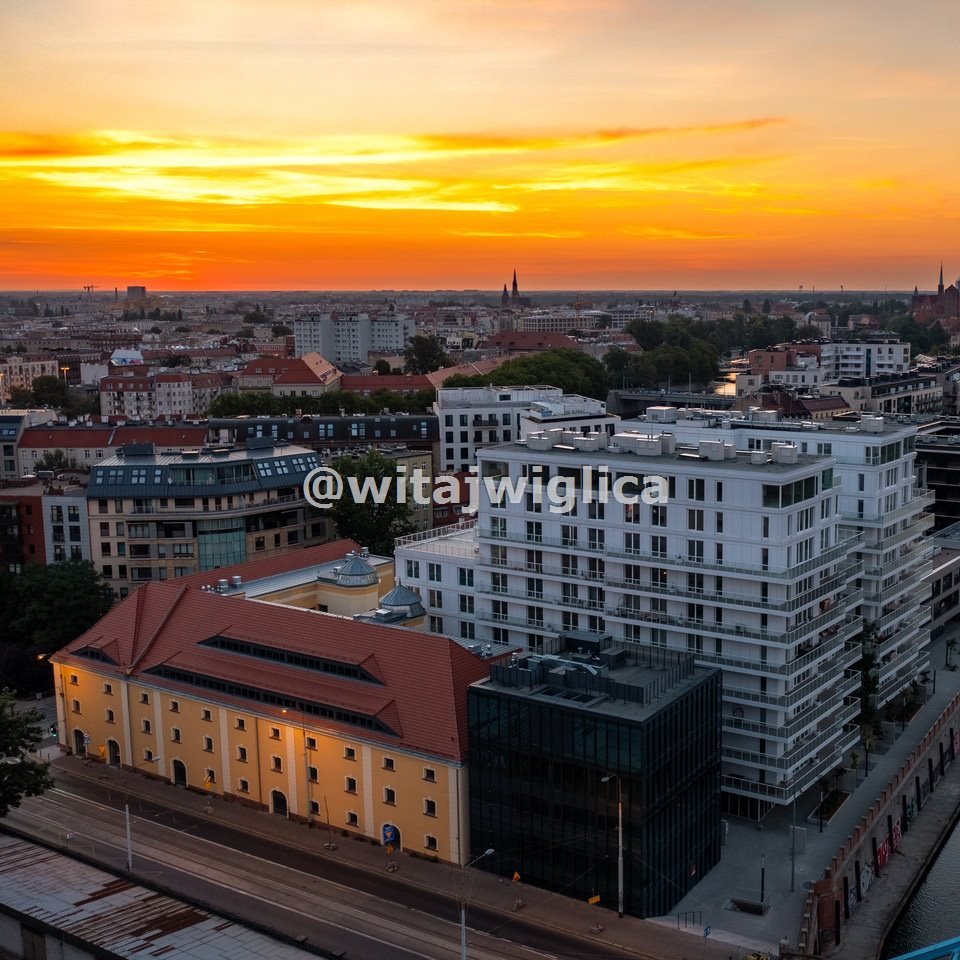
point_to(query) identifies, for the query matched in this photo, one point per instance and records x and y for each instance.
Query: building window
(74, 680)
(430, 842)
(436, 624)
(311, 743)
(108, 689)
(313, 774)
(145, 726)
(240, 723)
(175, 734)
(208, 744)
(242, 754)
(390, 796)
(243, 786)
(276, 764)
(465, 576)
(434, 572)
(435, 598)
(174, 706)
(274, 733)
(429, 774)
(145, 698)
(429, 808)
(148, 755)
(206, 715)
(350, 784)
(353, 820)
(388, 763)
(109, 716)
(349, 753)
(210, 777)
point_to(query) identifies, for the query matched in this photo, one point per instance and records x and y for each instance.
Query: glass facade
(538, 796)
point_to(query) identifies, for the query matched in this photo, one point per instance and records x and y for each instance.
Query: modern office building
(471, 418)
(566, 747)
(306, 715)
(742, 563)
(160, 516)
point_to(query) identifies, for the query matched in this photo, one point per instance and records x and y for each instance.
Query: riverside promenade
(763, 851)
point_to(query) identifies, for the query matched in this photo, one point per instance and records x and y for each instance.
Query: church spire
(515, 289)
(940, 287)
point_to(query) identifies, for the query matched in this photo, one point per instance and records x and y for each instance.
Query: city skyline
(427, 145)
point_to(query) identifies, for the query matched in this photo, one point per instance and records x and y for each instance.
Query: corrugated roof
(424, 677)
(107, 912)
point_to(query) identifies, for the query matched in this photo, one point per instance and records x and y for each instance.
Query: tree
(374, 525)
(767, 307)
(42, 609)
(382, 367)
(50, 392)
(572, 371)
(280, 330)
(245, 333)
(20, 776)
(19, 397)
(424, 354)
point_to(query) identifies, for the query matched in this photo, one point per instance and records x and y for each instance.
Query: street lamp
(65, 370)
(463, 902)
(607, 779)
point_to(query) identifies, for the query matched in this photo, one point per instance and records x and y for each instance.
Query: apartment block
(471, 418)
(880, 505)
(160, 516)
(743, 563)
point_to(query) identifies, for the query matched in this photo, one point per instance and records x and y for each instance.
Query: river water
(933, 913)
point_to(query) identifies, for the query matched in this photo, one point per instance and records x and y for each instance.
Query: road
(344, 910)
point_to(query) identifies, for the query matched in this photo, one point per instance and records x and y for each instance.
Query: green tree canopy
(382, 367)
(50, 392)
(572, 371)
(280, 330)
(424, 354)
(43, 609)
(374, 525)
(20, 776)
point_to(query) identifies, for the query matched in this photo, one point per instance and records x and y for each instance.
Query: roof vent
(237, 582)
(222, 586)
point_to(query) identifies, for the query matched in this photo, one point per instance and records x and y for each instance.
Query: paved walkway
(747, 842)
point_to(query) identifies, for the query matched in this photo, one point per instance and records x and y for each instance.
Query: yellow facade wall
(356, 785)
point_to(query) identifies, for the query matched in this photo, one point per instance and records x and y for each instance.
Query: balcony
(826, 625)
(920, 502)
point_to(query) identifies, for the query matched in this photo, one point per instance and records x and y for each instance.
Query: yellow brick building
(307, 715)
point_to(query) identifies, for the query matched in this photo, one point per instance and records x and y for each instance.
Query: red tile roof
(398, 383)
(421, 696)
(522, 340)
(272, 566)
(42, 438)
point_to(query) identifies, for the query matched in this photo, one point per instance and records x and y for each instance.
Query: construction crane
(90, 287)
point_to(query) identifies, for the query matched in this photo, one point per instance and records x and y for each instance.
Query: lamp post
(65, 370)
(463, 903)
(607, 779)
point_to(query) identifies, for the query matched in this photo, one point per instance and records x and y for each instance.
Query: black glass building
(555, 740)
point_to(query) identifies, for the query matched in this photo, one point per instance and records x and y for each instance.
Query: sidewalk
(637, 938)
(739, 868)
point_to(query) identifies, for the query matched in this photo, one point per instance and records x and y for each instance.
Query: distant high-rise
(136, 293)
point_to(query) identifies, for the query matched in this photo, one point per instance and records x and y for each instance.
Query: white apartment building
(471, 418)
(879, 504)
(866, 358)
(746, 565)
(345, 338)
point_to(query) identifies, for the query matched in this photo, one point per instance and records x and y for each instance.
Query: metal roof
(91, 907)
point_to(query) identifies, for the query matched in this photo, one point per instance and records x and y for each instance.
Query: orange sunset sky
(319, 144)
